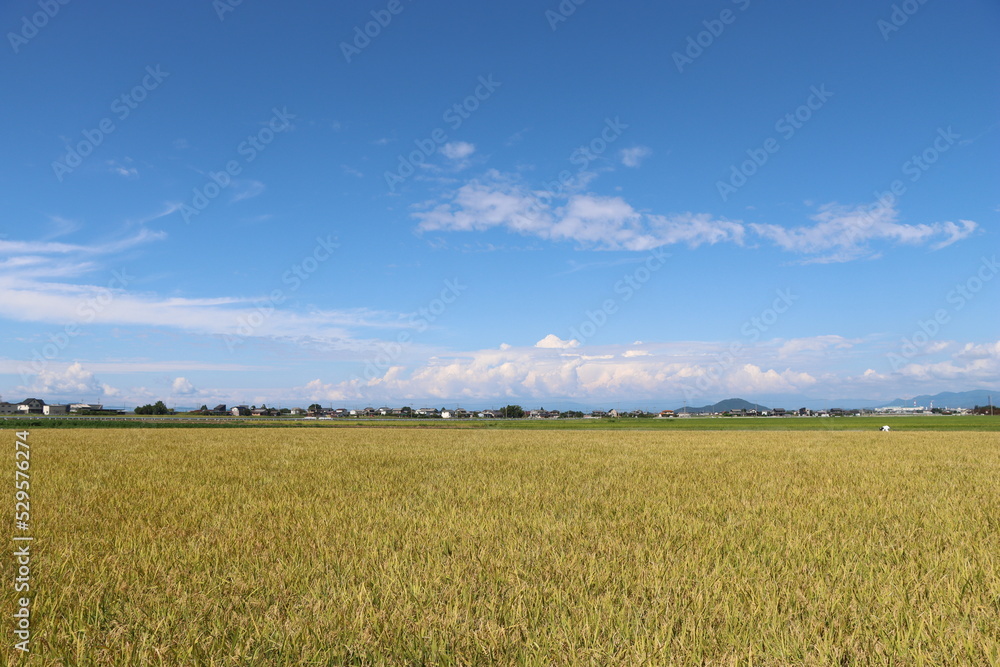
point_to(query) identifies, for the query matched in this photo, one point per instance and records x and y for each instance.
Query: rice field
(490, 547)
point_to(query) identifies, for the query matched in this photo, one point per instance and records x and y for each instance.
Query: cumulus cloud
(555, 342)
(458, 150)
(182, 387)
(937, 346)
(980, 351)
(984, 370)
(498, 200)
(659, 371)
(971, 364)
(633, 157)
(74, 380)
(751, 379)
(549, 369)
(594, 221)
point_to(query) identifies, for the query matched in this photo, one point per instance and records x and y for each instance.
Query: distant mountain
(724, 406)
(948, 399)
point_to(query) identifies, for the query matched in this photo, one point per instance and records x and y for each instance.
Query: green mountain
(725, 406)
(965, 399)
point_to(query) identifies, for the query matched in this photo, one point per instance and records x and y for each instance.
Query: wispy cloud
(124, 168)
(168, 208)
(61, 226)
(11, 248)
(633, 157)
(844, 233)
(247, 190)
(587, 266)
(517, 137)
(125, 366)
(34, 282)
(815, 344)
(58, 303)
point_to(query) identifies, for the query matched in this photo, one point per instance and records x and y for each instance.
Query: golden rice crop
(402, 547)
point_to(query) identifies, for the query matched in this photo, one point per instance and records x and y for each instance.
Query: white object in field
(884, 428)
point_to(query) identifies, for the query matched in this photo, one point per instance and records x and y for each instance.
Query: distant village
(37, 406)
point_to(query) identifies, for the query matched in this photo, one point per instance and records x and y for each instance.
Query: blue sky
(595, 203)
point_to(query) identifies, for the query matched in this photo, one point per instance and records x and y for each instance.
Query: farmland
(402, 546)
(866, 423)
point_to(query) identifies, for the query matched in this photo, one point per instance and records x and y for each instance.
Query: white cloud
(699, 372)
(247, 190)
(517, 137)
(843, 233)
(182, 387)
(88, 305)
(750, 379)
(124, 169)
(874, 376)
(31, 280)
(499, 200)
(553, 342)
(9, 248)
(547, 370)
(971, 365)
(977, 371)
(73, 380)
(352, 171)
(937, 346)
(138, 366)
(633, 157)
(61, 226)
(458, 150)
(226, 316)
(815, 344)
(601, 222)
(24, 262)
(980, 351)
